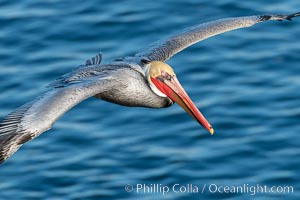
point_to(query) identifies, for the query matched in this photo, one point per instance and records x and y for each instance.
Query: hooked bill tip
(211, 130)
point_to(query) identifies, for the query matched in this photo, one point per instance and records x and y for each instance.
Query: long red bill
(173, 89)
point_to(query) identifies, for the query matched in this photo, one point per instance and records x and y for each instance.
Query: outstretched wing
(38, 116)
(165, 49)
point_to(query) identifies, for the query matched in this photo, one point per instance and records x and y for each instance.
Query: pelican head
(163, 82)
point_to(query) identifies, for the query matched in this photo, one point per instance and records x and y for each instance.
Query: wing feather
(38, 116)
(164, 49)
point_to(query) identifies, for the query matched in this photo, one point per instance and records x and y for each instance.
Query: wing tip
(11, 135)
(3, 155)
(8, 146)
(2, 159)
(263, 18)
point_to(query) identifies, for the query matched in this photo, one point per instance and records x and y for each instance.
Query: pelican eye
(161, 78)
(166, 75)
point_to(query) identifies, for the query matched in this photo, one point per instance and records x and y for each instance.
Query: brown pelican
(140, 80)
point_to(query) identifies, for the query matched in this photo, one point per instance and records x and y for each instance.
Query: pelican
(142, 80)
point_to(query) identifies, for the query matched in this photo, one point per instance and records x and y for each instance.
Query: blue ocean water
(245, 82)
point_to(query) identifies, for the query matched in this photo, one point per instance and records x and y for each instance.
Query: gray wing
(91, 68)
(38, 116)
(165, 49)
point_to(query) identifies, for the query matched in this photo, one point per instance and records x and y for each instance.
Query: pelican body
(142, 80)
(126, 92)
